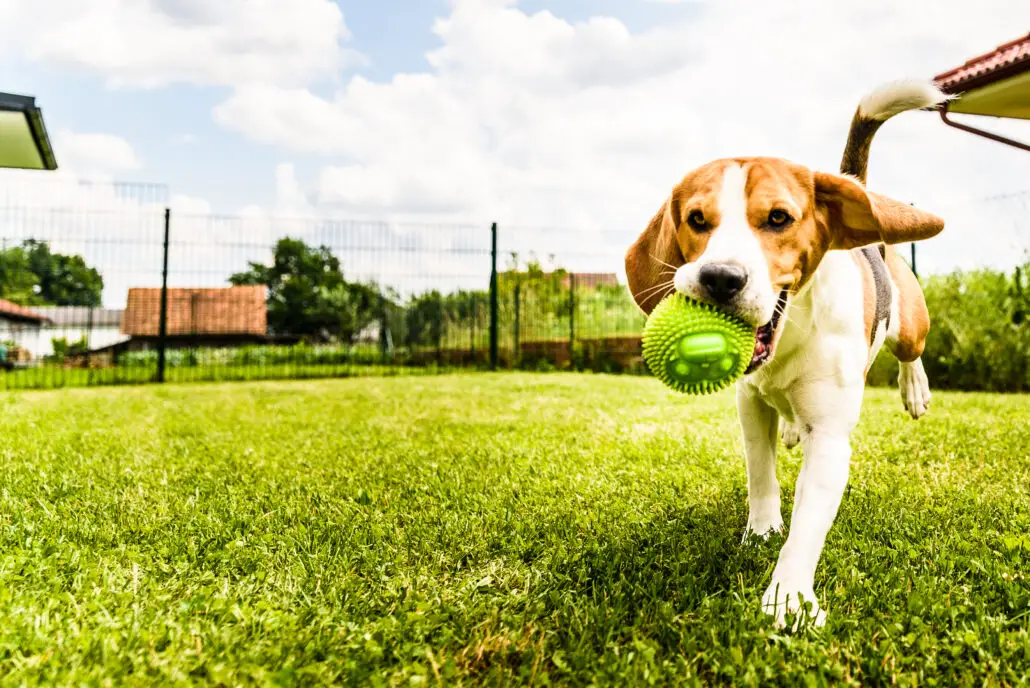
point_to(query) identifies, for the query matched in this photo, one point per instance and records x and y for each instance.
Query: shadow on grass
(668, 586)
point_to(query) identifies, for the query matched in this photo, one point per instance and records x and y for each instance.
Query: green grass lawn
(490, 529)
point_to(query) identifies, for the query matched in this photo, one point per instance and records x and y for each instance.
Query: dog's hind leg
(914, 386)
(789, 433)
(906, 336)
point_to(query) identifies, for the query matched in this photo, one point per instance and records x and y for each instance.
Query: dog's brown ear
(653, 258)
(856, 217)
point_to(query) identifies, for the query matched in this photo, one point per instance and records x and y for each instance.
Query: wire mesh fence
(102, 284)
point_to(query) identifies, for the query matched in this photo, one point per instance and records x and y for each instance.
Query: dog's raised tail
(878, 106)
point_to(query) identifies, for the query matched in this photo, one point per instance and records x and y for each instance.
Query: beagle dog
(806, 257)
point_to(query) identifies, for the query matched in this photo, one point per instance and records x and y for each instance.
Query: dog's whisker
(652, 290)
(663, 283)
(669, 288)
(656, 287)
(659, 260)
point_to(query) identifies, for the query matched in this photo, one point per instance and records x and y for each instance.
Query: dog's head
(746, 234)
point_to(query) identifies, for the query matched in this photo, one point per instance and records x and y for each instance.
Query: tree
(354, 306)
(18, 282)
(307, 294)
(424, 320)
(64, 280)
(32, 275)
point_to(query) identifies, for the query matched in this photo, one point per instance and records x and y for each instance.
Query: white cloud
(567, 134)
(532, 120)
(189, 205)
(291, 198)
(156, 43)
(94, 154)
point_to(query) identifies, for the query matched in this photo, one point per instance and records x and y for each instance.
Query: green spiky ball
(694, 348)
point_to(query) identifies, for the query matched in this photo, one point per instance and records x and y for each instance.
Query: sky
(415, 124)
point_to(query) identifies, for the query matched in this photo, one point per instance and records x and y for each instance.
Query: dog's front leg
(827, 423)
(827, 426)
(758, 422)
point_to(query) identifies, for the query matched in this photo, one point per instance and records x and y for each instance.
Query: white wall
(98, 337)
(39, 341)
(24, 335)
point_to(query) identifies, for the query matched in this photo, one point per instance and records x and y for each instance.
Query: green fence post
(474, 312)
(89, 344)
(385, 343)
(493, 297)
(163, 326)
(572, 313)
(439, 323)
(518, 297)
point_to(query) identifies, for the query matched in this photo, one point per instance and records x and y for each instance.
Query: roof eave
(34, 116)
(960, 86)
(17, 317)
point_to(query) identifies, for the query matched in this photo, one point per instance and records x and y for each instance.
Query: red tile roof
(215, 311)
(1002, 62)
(11, 310)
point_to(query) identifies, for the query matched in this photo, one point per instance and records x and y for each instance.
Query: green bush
(979, 339)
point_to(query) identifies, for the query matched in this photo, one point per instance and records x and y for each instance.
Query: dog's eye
(778, 219)
(696, 219)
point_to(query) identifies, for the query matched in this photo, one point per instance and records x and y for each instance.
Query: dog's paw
(790, 434)
(914, 388)
(763, 521)
(753, 533)
(783, 598)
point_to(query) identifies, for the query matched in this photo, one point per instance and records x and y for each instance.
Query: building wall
(25, 335)
(39, 340)
(97, 337)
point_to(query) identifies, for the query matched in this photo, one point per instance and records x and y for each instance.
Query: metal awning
(24, 143)
(995, 84)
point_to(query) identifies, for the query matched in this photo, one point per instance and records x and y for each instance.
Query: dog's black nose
(722, 281)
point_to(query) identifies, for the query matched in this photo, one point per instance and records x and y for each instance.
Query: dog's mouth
(765, 337)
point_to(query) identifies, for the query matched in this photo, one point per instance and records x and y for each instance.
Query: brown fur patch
(913, 316)
(860, 217)
(792, 253)
(856, 153)
(668, 242)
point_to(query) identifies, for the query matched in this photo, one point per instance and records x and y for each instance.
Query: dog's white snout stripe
(733, 242)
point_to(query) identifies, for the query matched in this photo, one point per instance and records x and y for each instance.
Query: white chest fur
(823, 339)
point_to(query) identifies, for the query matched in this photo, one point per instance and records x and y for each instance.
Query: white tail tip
(896, 97)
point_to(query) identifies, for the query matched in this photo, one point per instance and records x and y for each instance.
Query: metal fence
(104, 284)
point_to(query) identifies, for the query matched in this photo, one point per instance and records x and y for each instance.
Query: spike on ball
(694, 348)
